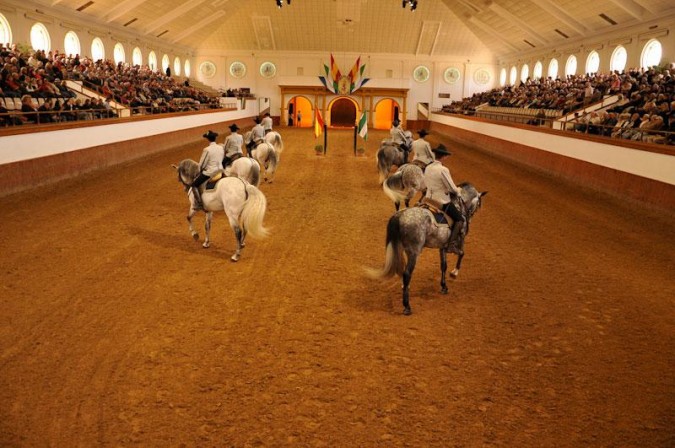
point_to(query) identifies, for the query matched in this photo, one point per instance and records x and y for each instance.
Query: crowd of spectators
(38, 78)
(644, 111)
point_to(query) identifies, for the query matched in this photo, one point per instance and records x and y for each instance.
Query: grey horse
(412, 229)
(389, 155)
(403, 184)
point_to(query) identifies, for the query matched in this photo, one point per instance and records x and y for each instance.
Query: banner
(318, 123)
(363, 126)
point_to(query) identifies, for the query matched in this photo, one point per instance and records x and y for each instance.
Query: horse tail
(393, 187)
(394, 262)
(254, 212)
(272, 158)
(278, 144)
(255, 173)
(382, 167)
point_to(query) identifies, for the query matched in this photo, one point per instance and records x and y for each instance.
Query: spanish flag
(318, 123)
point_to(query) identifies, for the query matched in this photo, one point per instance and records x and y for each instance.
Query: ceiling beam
(122, 9)
(630, 7)
(559, 13)
(474, 20)
(199, 25)
(172, 15)
(503, 13)
(56, 2)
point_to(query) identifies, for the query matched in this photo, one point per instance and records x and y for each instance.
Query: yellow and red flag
(318, 123)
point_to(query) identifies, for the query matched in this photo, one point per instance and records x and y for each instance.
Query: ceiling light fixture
(412, 3)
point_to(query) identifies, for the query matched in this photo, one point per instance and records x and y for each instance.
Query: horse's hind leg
(239, 236)
(207, 230)
(455, 272)
(407, 275)
(444, 268)
(193, 232)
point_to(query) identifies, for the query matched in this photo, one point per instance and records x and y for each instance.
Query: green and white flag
(363, 126)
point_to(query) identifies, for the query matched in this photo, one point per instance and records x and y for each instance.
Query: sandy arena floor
(117, 329)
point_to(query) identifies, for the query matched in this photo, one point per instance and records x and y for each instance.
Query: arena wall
(644, 173)
(46, 155)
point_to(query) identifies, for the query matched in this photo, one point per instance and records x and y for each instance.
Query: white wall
(647, 164)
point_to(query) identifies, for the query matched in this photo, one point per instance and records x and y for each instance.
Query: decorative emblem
(237, 69)
(451, 75)
(343, 85)
(268, 70)
(421, 73)
(208, 69)
(481, 76)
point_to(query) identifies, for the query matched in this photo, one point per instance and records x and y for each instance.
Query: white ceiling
(437, 28)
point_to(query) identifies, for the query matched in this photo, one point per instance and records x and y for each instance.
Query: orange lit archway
(300, 112)
(385, 112)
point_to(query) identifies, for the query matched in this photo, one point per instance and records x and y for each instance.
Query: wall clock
(421, 73)
(237, 69)
(208, 69)
(268, 70)
(451, 75)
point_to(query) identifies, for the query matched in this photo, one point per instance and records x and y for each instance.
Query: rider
(442, 189)
(210, 164)
(233, 144)
(421, 149)
(399, 138)
(267, 123)
(256, 137)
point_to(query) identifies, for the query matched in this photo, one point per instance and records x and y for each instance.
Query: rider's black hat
(257, 119)
(396, 122)
(234, 127)
(441, 150)
(423, 132)
(210, 136)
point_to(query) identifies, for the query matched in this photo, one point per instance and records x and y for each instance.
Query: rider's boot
(454, 235)
(198, 199)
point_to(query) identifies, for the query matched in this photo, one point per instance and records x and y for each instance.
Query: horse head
(471, 197)
(188, 170)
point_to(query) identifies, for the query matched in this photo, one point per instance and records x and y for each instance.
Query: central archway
(342, 112)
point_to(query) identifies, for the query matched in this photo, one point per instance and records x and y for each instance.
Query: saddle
(419, 163)
(211, 183)
(436, 208)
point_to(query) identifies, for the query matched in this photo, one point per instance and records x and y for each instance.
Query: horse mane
(188, 169)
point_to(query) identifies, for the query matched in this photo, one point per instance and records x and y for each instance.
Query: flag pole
(325, 138)
(355, 134)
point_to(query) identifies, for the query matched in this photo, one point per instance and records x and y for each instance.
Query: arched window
(165, 62)
(71, 44)
(187, 68)
(571, 66)
(502, 77)
(593, 62)
(524, 73)
(137, 57)
(538, 70)
(618, 60)
(513, 75)
(176, 66)
(118, 53)
(97, 49)
(152, 61)
(651, 54)
(5, 30)
(39, 37)
(553, 69)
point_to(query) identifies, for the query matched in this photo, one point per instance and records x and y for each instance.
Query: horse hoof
(206, 245)
(234, 258)
(195, 236)
(444, 290)
(454, 273)
(407, 312)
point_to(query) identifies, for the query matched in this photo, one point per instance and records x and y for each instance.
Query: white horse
(274, 139)
(244, 205)
(245, 168)
(266, 156)
(404, 184)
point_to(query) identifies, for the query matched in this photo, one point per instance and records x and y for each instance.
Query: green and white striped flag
(363, 126)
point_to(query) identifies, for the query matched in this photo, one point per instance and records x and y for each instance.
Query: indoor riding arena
(118, 329)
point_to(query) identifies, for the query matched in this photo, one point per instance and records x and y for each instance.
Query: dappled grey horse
(403, 184)
(411, 230)
(390, 155)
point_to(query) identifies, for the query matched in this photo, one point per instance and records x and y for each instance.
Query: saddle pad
(440, 219)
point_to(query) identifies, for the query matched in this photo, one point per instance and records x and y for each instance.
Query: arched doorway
(385, 112)
(300, 112)
(342, 112)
